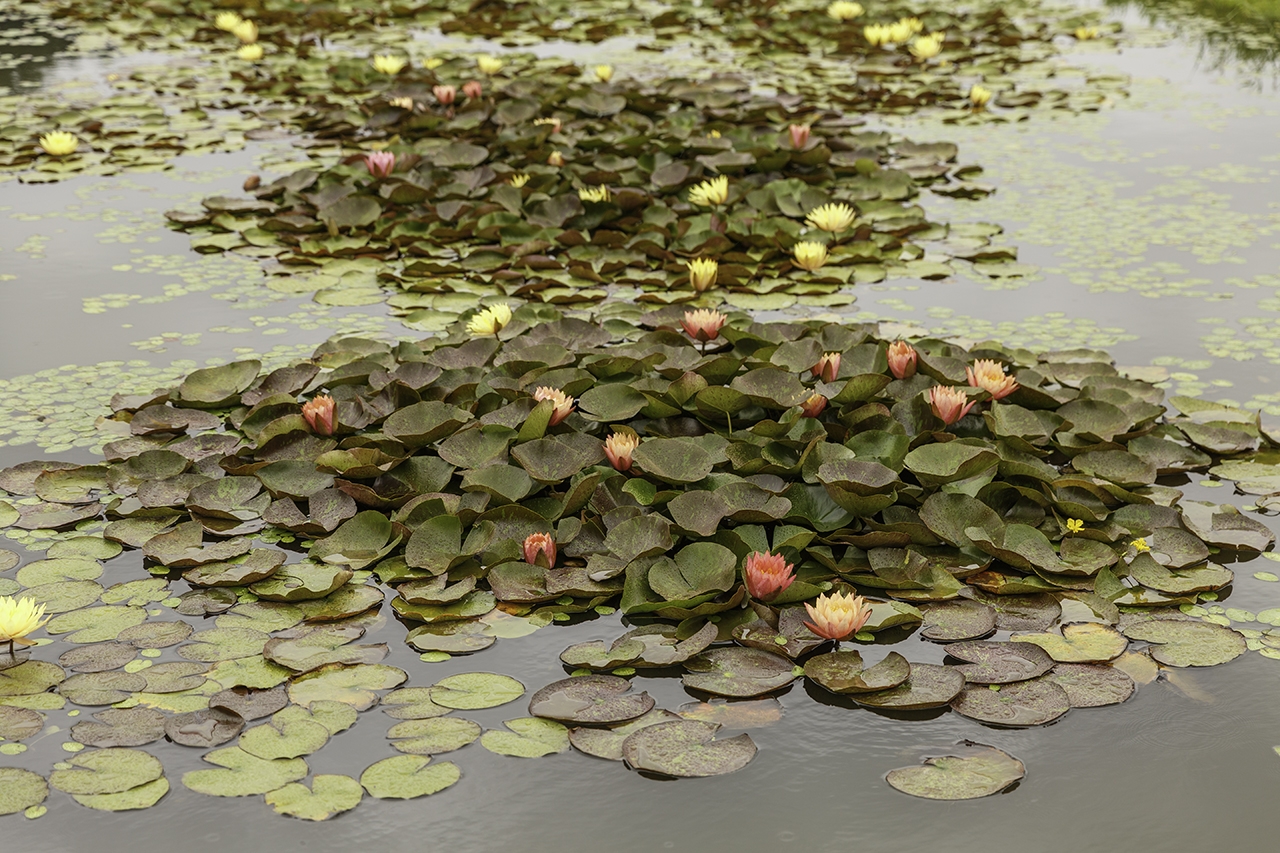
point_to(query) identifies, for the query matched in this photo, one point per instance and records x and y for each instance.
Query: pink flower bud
(562, 402)
(704, 324)
(320, 413)
(380, 163)
(472, 89)
(799, 135)
(902, 360)
(445, 94)
(618, 448)
(555, 158)
(767, 575)
(813, 406)
(540, 550)
(949, 404)
(828, 367)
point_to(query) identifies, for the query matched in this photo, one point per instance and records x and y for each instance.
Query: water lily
(902, 360)
(227, 21)
(813, 405)
(380, 163)
(250, 52)
(710, 192)
(704, 324)
(1140, 545)
(404, 103)
(927, 47)
(702, 273)
(989, 375)
(562, 402)
(246, 31)
(321, 414)
(555, 158)
(836, 616)
(519, 179)
(809, 255)
(979, 96)
(555, 122)
(595, 194)
(1074, 525)
(19, 617)
(540, 550)
(1087, 33)
(489, 65)
(828, 367)
(843, 10)
(491, 320)
(59, 143)
(834, 217)
(618, 448)
(472, 89)
(604, 73)
(876, 34)
(799, 135)
(767, 575)
(446, 95)
(389, 64)
(949, 404)
(433, 63)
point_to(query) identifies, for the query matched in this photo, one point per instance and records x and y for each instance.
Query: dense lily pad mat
(462, 483)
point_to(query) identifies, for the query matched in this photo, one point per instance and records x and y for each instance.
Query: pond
(1112, 196)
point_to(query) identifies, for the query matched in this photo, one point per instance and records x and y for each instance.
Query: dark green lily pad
(599, 700)
(1179, 643)
(844, 672)
(686, 749)
(1081, 642)
(738, 672)
(999, 663)
(928, 686)
(205, 728)
(1091, 686)
(949, 621)
(1026, 703)
(968, 773)
(607, 743)
(121, 727)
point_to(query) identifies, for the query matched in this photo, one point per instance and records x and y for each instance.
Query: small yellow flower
(1140, 545)
(596, 194)
(843, 10)
(555, 158)
(386, 63)
(490, 320)
(979, 96)
(555, 123)
(702, 273)
(405, 103)
(59, 143)
(18, 618)
(489, 65)
(433, 63)
(519, 179)
(710, 192)
(876, 34)
(1087, 33)
(246, 31)
(250, 52)
(713, 134)
(834, 217)
(604, 73)
(1074, 525)
(809, 255)
(227, 21)
(912, 24)
(927, 47)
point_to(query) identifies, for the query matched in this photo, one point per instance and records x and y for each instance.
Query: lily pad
(106, 771)
(686, 749)
(470, 691)
(1179, 643)
(432, 736)
(949, 621)
(328, 795)
(242, 774)
(844, 672)
(738, 672)
(404, 777)
(928, 686)
(1090, 686)
(598, 700)
(967, 773)
(1026, 703)
(204, 728)
(1081, 642)
(607, 743)
(529, 737)
(999, 663)
(21, 790)
(121, 727)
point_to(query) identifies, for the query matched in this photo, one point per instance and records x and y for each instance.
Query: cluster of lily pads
(547, 188)
(479, 481)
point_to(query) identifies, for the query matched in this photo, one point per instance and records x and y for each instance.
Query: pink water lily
(813, 406)
(837, 617)
(902, 360)
(949, 404)
(380, 163)
(618, 448)
(321, 415)
(445, 94)
(540, 550)
(828, 367)
(562, 402)
(472, 89)
(799, 135)
(767, 575)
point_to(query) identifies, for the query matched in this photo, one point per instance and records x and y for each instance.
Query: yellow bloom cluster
(596, 194)
(898, 32)
(979, 96)
(604, 73)
(927, 47)
(702, 273)
(59, 143)
(519, 179)
(844, 10)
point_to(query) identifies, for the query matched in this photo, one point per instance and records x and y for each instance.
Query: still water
(1186, 764)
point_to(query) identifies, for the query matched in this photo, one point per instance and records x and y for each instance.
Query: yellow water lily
(489, 65)
(809, 255)
(433, 63)
(979, 96)
(834, 217)
(19, 617)
(1074, 525)
(404, 103)
(710, 192)
(1087, 33)
(596, 194)
(519, 179)
(604, 73)
(702, 273)
(843, 10)
(250, 52)
(876, 34)
(491, 320)
(59, 143)
(1140, 545)
(927, 47)
(386, 63)
(246, 31)
(227, 21)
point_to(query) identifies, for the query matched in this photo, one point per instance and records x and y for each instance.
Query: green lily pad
(142, 797)
(404, 777)
(431, 736)
(34, 676)
(471, 691)
(292, 733)
(738, 672)
(1081, 642)
(21, 790)
(949, 621)
(1179, 643)
(1026, 703)
(928, 686)
(106, 771)
(211, 387)
(19, 723)
(529, 737)
(120, 727)
(1091, 686)
(990, 662)
(222, 644)
(328, 795)
(686, 749)
(600, 700)
(351, 685)
(204, 728)
(607, 743)
(844, 672)
(242, 774)
(967, 773)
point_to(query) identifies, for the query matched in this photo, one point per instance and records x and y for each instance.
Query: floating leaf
(687, 749)
(600, 700)
(967, 773)
(529, 737)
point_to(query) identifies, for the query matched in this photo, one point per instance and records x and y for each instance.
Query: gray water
(1188, 763)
